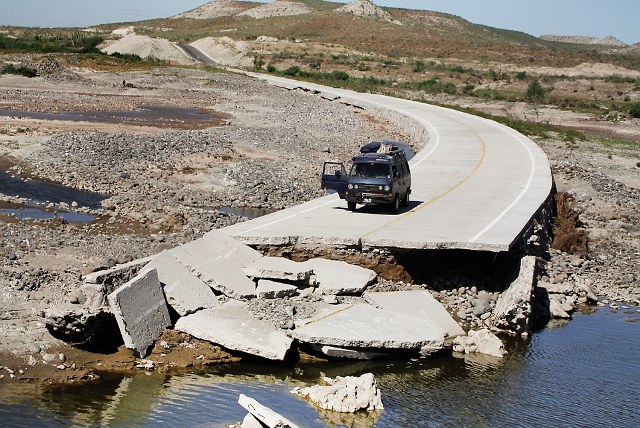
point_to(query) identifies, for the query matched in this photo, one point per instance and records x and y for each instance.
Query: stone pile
(347, 394)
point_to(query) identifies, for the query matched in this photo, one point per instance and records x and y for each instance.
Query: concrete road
(476, 185)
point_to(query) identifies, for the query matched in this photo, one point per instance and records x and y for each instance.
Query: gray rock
(481, 341)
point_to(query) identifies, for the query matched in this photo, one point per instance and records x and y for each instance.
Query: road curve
(476, 185)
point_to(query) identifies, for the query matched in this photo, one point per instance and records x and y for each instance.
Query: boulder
(481, 341)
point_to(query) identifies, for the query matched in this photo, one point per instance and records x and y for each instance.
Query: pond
(582, 373)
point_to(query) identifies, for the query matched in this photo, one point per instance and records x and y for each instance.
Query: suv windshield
(370, 170)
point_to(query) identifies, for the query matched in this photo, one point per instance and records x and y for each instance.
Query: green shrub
(535, 92)
(419, 67)
(338, 75)
(293, 71)
(271, 68)
(634, 110)
(20, 70)
(521, 75)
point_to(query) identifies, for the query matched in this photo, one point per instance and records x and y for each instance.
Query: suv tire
(395, 205)
(405, 200)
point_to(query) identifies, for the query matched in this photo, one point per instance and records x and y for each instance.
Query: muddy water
(156, 116)
(584, 373)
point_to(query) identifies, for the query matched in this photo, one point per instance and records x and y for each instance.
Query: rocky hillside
(586, 40)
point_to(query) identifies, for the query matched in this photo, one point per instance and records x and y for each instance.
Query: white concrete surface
(476, 185)
(218, 260)
(233, 327)
(364, 326)
(337, 277)
(419, 303)
(141, 311)
(264, 414)
(185, 292)
(278, 268)
(268, 289)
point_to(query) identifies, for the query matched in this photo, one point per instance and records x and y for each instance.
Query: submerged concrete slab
(419, 303)
(348, 353)
(185, 292)
(278, 268)
(275, 290)
(218, 260)
(363, 326)
(233, 327)
(141, 311)
(337, 277)
(265, 415)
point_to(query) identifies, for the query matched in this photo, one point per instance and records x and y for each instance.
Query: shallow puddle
(156, 116)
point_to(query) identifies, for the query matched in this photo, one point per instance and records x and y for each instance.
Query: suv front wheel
(395, 205)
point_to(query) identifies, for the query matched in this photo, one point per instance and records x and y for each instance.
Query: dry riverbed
(164, 186)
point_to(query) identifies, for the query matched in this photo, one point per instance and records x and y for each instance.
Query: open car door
(334, 178)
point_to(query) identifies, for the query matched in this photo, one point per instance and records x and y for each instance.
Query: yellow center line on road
(443, 194)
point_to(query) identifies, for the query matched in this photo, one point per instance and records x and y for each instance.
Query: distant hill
(361, 27)
(586, 40)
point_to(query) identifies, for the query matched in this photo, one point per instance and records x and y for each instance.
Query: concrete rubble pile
(347, 394)
(208, 285)
(481, 342)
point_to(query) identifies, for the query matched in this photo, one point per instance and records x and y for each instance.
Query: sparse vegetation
(19, 70)
(535, 92)
(634, 110)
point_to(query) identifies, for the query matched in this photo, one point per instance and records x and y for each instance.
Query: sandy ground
(162, 184)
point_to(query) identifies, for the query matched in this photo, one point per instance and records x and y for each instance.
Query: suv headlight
(349, 186)
(387, 188)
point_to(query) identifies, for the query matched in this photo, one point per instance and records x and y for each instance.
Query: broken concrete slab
(322, 310)
(337, 277)
(265, 415)
(278, 268)
(513, 309)
(141, 311)
(275, 290)
(363, 326)
(233, 327)
(348, 353)
(419, 303)
(218, 260)
(348, 394)
(122, 272)
(185, 292)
